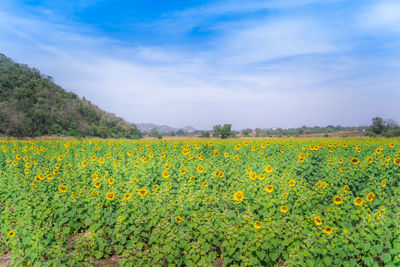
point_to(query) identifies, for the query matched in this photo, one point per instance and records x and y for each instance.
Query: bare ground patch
(5, 260)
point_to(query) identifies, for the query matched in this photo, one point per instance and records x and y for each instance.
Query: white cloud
(267, 40)
(382, 16)
(287, 71)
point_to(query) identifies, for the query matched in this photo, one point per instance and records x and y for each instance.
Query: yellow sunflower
(142, 192)
(292, 183)
(200, 169)
(358, 201)
(62, 188)
(11, 234)
(269, 188)
(337, 200)
(370, 197)
(268, 169)
(284, 209)
(238, 196)
(110, 196)
(317, 220)
(165, 174)
(257, 225)
(345, 189)
(328, 230)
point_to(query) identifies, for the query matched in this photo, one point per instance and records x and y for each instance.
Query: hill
(31, 104)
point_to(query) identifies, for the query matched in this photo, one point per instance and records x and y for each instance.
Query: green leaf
(237, 256)
(118, 249)
(261, 254)
(386, 258)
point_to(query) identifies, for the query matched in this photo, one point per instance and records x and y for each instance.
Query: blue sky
(253, 64)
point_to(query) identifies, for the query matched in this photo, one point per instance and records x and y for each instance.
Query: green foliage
(222, 131)
(247, 132)
(183, 221)
(226, 131)
(370, 134)
(155, 133)
(378, 125)
(205, 134)
(32, 105)
(217, 130)
(393, 133)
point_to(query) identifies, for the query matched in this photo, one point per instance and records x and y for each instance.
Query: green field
(292, 202)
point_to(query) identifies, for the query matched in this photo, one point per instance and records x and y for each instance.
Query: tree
(378, 125)
(205, 134)
(217, 130)
(247, 131)
(155, 133)
(259, 132)
(180, 132)
(226, 131)
(390, 124)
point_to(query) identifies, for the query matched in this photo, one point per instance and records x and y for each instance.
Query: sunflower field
(278, 202)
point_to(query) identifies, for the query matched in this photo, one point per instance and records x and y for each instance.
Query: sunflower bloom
(238, 196)
(62, 188)
(345, 189)
(127, 196)
(284, 209)
(358, 201)
(269, 188)
(257, 225)
(337, 200)
(370, 197)
(142, 192)
(317, 220)
(110, 196)
(11, 234)
(200, 169)
(165, 174)
(268, 169)
(328, 230)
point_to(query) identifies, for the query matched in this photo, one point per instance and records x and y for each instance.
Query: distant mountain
(31, 104)
(147, 127)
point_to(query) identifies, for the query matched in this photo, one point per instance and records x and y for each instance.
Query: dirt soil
(5, 260)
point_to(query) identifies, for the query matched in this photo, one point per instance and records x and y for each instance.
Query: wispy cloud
(382, 16)
(263, 71)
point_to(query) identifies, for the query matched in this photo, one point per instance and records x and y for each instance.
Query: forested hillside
(31, 104)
